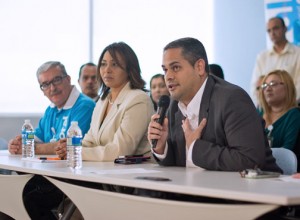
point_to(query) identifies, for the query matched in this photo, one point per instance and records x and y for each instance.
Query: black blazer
(233, 138)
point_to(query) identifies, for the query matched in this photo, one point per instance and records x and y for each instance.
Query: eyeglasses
(56, 81)
(271, 84)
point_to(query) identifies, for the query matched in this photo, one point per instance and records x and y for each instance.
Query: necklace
(110, 101)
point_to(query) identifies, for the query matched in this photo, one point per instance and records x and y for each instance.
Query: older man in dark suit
(211, 123)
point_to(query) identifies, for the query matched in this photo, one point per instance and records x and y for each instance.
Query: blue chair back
(297, 151)
(286, 160)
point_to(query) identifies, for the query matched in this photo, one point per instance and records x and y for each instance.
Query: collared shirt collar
(71, 100)
(192, 110)
(287, 49)
(96, 98)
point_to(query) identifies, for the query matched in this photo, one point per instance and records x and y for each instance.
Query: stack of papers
(290, 179)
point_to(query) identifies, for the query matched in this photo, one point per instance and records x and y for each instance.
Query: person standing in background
(89, 81)
(157, 88)
(283, 55)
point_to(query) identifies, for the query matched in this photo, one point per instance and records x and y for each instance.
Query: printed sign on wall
(289, 10)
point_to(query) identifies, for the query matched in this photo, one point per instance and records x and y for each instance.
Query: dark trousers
(41, 198)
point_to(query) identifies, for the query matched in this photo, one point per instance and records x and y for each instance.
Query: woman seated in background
(122, 114)
(279, 109)
(157, 88)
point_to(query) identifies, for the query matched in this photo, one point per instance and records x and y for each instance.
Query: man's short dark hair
(83, 65)
(216, 70)
(192, 50)
(281, 20)
(50, 64)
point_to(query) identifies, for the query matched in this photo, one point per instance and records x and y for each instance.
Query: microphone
(163, 105)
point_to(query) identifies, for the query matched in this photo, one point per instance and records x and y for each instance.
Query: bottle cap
(74, 122)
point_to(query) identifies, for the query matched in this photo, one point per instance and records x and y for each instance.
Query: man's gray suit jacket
(233, 139)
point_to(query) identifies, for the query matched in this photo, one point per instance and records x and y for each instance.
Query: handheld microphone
(163, 105)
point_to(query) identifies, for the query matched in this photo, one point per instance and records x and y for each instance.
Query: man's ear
(69, 78)
(200, 67)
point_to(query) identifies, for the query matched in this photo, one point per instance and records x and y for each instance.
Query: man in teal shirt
(67, 104)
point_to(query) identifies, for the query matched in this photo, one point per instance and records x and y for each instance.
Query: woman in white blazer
(121, 117)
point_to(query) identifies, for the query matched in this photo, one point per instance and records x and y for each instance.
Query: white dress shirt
(191, 111)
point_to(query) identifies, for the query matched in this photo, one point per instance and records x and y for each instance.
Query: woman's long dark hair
(131, 67)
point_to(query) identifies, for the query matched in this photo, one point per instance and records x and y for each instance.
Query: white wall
(10, 124)
(33, 32)
(148, 25)
(239, 35)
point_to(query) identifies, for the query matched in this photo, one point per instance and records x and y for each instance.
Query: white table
(193, 181)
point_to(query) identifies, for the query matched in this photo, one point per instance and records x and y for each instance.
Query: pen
(49, 158)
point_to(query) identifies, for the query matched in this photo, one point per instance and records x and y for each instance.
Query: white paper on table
(290, 179)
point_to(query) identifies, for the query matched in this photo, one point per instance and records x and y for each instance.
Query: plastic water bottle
(27, 139)
(74, 147)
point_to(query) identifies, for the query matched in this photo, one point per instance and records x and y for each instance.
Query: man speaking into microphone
(210, 123)
(162, 107)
